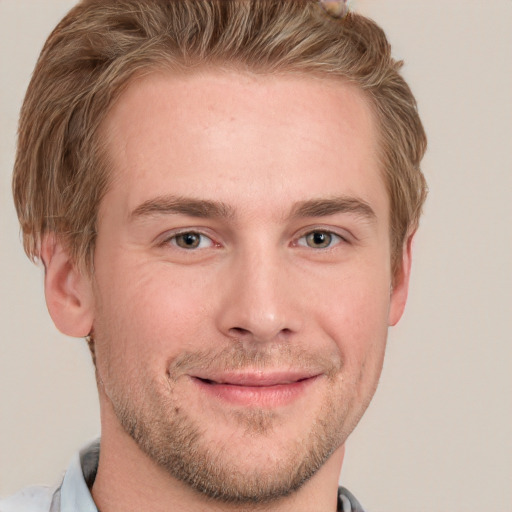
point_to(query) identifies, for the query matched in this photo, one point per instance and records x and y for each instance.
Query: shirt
(73, 494)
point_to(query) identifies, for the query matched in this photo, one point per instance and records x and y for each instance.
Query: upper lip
(256, 378)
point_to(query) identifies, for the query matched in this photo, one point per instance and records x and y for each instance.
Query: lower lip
(257, 396)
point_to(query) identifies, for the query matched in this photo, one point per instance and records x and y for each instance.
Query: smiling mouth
(255, 384)
(256, 389)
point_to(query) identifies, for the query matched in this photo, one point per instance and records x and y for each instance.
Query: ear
(68, 291)
(400, 287)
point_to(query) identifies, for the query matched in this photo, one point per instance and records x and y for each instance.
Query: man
(223, 195)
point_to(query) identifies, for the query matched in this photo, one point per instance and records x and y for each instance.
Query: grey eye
(319, 239)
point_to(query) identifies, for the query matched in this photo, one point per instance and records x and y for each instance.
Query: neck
(128, 480)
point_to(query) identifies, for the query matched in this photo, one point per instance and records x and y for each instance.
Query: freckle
(176, 410)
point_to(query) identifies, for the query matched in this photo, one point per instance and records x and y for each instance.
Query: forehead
(234, 136)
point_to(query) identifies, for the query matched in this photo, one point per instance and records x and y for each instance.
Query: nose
(259, 303)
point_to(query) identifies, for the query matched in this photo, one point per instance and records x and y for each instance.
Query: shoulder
(30, 499)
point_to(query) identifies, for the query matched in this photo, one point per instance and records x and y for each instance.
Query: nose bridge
(259, 304)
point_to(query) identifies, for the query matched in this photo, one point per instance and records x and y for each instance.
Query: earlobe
(68, 290)
(400, 288)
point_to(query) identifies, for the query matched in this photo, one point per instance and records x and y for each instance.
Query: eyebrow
(333, 206)
(183, 206)
(202, 208)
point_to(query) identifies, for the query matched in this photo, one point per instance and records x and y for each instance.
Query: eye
(191, 240)
(319, 239)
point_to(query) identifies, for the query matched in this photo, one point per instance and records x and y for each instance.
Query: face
(242, 286)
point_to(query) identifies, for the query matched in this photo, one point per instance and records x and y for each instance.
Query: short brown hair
(101, 45)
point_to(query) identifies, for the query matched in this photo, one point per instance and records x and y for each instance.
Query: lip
(259, 389)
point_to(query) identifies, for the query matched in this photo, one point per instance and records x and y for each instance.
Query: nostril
(242, 333)
(239, 331)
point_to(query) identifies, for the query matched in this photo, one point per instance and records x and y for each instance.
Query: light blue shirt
(73, 494)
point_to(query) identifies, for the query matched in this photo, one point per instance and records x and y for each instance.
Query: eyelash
(173, 239)
(335, 239)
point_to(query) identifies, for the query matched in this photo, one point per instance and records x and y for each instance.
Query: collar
(75, 495)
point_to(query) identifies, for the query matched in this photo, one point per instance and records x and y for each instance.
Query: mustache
(238, 357)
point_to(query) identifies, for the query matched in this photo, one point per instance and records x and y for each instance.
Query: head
(99, 48)
(125, 125)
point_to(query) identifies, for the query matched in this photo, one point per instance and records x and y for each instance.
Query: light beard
(177, 442)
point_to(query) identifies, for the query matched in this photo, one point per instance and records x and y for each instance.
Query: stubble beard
(176, 442)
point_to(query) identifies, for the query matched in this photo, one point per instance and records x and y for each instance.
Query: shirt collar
(74, 493)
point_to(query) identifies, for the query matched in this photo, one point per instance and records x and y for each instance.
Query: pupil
(190, 239)
(319, 239)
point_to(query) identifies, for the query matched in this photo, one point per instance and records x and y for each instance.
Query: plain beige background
(438, 435)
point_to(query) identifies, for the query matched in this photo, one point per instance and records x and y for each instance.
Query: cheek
(358, 326)
(355, 316)
(150, 318)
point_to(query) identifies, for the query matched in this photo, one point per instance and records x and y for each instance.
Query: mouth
(260, 389)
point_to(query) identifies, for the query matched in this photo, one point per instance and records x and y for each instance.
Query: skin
(271, 332)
